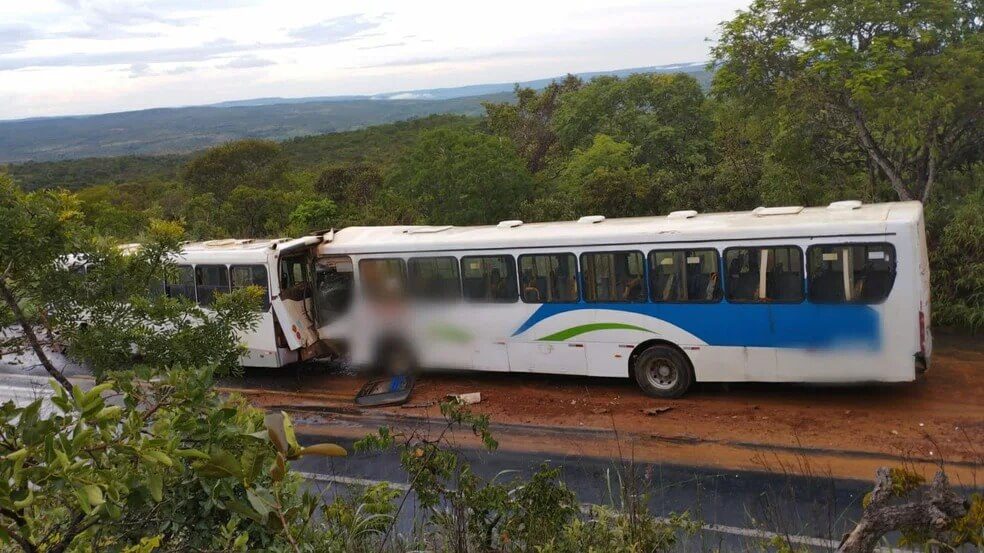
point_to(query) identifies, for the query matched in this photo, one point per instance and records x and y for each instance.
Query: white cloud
(183, 49)
(247, 62)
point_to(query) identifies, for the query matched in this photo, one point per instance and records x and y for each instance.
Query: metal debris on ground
(385, 391)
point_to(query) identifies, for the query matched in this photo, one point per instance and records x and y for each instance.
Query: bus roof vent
(686, 214)
(426, 230)
(512, 223)
(591, 219)
(846, 205)
(782, 210)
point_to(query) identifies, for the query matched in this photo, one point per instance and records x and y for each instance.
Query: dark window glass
(181, 282)
(251, 275)
(548, 278)
(772, 274)
(434, 278)
(335, 287)
(383, 278)
(489, 278)
(294, 278)
(211, 279)
(613, 276)
(684, 276)
(851, 273)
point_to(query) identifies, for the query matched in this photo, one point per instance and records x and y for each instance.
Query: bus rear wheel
(663, 372)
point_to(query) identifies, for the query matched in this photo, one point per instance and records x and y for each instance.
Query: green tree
(460, 178)
(663, 116)
(255, 212)
(353, 184)
(528, 121)
(898, 82)
(312, 215)
(152, 456)
(604, 179)
(250, 163)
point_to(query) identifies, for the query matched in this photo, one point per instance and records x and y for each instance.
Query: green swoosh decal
(582, 329)
(449, 333)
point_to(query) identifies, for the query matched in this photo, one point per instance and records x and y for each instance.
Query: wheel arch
(643, 346)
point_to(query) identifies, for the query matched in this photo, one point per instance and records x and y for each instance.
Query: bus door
(294, 304)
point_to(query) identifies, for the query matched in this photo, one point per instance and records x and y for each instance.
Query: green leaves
(220, 464)
(280, 430)
(93, 495)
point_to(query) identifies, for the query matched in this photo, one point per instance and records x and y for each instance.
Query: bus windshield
(334, 287)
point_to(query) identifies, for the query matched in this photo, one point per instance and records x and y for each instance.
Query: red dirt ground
(846, 431)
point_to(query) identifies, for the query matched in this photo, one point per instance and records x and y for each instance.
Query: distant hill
(379, 145)
(185, 129)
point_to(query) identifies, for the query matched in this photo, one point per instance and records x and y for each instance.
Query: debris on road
(385, 391)
(420, 405)
(654, 411)
(466, 399)
(600, 411)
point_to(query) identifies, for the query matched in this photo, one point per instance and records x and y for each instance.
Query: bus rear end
(923, 356)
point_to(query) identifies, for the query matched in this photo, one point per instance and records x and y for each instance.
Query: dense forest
(823, 109)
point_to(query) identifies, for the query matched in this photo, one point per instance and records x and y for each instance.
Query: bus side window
(383, 278)
(548, 278)
(181, 283)
(851, 273)
(780, 281)
(489, 278)
(335, 281)
(613, 276)
(434, 278)
(684, 276)
(242, 276)
(210, 279)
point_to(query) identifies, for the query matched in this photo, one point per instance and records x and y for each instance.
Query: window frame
(803, 276)
(403, 269)
(194, 283)
(718, 256)
(577, 277)
(457, 273)
(228, 279)
(895, 271)
(645, 275)
(266, 274)
(515, 278)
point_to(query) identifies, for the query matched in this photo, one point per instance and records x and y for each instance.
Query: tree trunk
(936, 510)
(875, 153)
(32, 338)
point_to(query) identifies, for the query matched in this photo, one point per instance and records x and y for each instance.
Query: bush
(957, 262)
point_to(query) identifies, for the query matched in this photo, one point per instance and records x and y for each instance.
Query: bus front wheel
(663, 372)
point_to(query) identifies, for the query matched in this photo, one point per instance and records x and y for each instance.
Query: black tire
(662, 372)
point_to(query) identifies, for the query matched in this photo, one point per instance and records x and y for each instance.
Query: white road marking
(349, 481)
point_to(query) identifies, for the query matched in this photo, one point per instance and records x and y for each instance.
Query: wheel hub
(662, 374)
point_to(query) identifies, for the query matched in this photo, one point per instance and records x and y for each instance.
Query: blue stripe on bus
(801, 325)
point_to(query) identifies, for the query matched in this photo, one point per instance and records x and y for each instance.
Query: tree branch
(875, 152)
(936, 510)
(32, 338)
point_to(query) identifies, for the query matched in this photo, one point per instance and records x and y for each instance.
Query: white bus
(780, 294)
(284, 333)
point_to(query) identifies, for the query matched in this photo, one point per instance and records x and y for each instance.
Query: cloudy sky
(61, 57)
